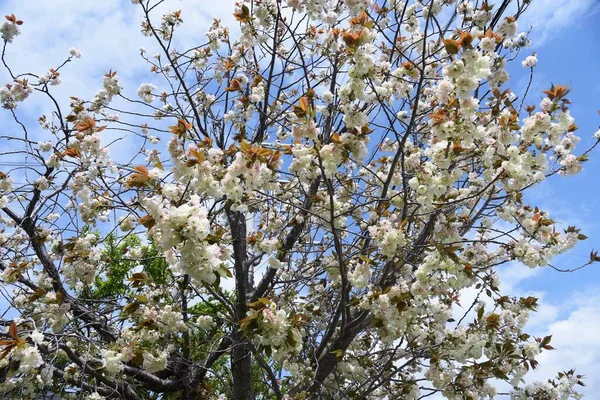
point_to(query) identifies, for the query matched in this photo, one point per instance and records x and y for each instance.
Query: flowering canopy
(309, 199)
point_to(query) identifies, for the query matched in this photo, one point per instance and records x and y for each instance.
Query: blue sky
(565, 37)
(572, 57)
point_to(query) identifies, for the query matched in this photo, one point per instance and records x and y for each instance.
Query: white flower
(275, 263)
(37, 337)
(145, 92)
(530, 61)
(127, 223)
(30, 358)
(154, 363)
(74, 52)
(359, 277)
(112, 362)
(205, 322)
(45, 146)
(52, 217)
(111, 84)
(170, 321)
(445, 89)
(6, 184)
(327, 97)
(531, 350)
(597, 134)
(508, 27)
(401, 115)
(9, 30)
(42, 183)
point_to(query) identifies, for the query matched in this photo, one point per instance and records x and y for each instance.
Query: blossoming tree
(314, 191)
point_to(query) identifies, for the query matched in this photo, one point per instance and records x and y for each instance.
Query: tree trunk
(241, 368)
(241, 355)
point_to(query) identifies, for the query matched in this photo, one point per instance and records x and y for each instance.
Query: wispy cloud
(107, 33)
(549, 18)
(575, 339)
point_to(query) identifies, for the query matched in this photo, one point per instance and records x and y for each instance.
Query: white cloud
(575, 338)
(550, 18)
(108, 34)
(574, 325)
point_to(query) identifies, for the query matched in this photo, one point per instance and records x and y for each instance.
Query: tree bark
(241, 354)
(241, 368)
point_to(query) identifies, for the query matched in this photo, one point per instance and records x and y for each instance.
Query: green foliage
(113, 281)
